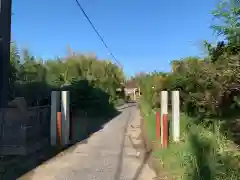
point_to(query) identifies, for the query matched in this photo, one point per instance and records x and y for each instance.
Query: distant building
(131, 89)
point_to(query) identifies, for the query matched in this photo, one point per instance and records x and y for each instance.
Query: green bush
(89, 99)
(92, 83)
(202, 153)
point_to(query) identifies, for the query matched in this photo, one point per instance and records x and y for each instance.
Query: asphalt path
(99, 157)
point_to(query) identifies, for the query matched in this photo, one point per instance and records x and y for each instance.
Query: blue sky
(144, 35)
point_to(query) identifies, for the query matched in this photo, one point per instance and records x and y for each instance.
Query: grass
(201, 154)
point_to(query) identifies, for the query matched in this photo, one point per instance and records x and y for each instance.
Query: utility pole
(5, 39)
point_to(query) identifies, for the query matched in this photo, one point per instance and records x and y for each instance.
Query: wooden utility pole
(5, 39)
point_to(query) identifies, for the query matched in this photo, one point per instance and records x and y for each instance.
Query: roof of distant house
(131, 84)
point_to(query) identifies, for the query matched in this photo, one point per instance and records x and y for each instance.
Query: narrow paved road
(99, 158)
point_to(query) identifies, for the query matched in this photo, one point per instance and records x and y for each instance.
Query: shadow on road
(90, 110)
(127, 106)
(83, 128)
(117, 175)
(146, 155)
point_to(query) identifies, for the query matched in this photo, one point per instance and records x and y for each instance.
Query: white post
(65, 117)
(164, 109)
(175, 115)
(55, 107)
(134, 94)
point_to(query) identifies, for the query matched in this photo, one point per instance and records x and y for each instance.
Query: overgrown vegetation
(202, 153)
(95, 85)
(210, 94)
(209, 85)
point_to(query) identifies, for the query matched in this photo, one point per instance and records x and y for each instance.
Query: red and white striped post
(164, 118)
(158, 127)
(165, 130)
(59, 129)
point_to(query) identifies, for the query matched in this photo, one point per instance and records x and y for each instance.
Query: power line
(100, 37)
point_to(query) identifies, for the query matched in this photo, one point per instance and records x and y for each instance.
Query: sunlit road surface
(99, 158)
